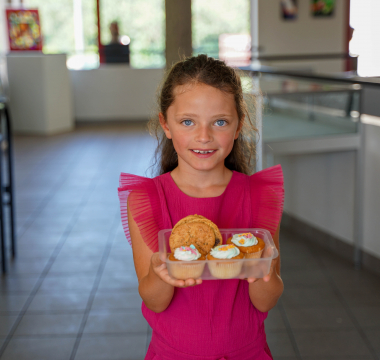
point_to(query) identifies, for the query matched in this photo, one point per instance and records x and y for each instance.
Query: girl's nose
(204, 135)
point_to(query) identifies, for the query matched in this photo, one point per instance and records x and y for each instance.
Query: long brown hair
(215, 73)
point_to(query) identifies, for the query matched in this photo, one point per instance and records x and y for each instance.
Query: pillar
(178, 30)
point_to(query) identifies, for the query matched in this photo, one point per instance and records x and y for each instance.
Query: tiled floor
(72, 292)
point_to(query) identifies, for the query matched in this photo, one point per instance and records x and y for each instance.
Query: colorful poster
(24, 30)
(289, 9)
(323, 8)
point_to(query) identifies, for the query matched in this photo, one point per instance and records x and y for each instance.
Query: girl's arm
(264, 293)
(156, 287)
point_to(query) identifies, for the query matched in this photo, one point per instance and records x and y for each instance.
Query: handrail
(310, 76)
(308, 57)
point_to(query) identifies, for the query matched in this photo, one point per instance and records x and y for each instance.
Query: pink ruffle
(267, 198)
(144, 205)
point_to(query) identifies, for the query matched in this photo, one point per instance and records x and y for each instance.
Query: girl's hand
(160, 269)
(267, 277)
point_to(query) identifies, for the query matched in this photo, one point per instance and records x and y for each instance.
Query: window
(365, 41)
(70, 26)
(213, 18)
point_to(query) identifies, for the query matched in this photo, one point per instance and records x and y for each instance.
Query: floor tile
(131, 347)
(85, 266)
(319, 318)
(280, 344)
(49, 324)
(60, 301)
(362, 296)
(6, 323)
(373, 336)
(117, 300)
(310, 297)
(39, 348)
(367, 316)
(11, 302)
(118, 282)
(274, 321)
(42, 253)
(115, 322)
(16, 284)
(64, 282)
(305, 278)
(28, 266)
(330, 343)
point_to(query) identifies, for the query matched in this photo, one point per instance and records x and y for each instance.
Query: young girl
(205, 154)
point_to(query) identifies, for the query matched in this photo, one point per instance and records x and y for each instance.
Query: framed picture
(322, 8)
(289, 9)
(24, 30)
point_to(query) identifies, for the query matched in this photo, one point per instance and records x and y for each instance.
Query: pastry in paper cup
(185, 263)
(220, 265)
(252, 247)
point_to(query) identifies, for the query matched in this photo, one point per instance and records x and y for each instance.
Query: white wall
(40, 96)
(114, 92)
(319, 190)
(305, 35)
(372, 190)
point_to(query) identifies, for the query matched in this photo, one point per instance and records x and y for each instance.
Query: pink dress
(214, 320)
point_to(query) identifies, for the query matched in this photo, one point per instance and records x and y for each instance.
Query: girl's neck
(201, 184)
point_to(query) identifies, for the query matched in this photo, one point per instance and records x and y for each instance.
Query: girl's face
(203, 124)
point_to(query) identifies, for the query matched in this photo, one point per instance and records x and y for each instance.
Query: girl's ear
(240, 126)
(164, 125)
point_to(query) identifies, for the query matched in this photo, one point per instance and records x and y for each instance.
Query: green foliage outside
(143, 21)
(210, 18)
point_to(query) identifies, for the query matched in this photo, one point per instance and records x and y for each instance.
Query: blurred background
(78, 82)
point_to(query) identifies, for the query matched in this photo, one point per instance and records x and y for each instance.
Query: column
(178, 30)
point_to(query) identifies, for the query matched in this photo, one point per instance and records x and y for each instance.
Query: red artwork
(24, 30)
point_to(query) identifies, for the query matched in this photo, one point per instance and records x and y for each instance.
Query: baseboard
(329, 242)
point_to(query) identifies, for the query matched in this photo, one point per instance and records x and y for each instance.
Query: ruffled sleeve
(267, 198)
(142, 196)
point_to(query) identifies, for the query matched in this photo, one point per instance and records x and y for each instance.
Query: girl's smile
(203, 124)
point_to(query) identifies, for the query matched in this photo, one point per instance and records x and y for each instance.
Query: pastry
(192, 268)
(252, 247)
(195, 230)
(219, 264)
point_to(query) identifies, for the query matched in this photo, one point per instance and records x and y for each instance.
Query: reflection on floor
(72, 292)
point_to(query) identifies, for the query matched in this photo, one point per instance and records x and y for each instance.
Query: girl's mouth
(203, 153)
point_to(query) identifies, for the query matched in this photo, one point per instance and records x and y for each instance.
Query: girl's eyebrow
(188, 114)
(195, 115)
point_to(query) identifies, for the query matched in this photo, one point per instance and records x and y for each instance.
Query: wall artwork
(24, 30)
(289, 9)
(322, 8)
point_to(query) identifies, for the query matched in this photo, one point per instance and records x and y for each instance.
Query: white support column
(78, 26)
(254, 29)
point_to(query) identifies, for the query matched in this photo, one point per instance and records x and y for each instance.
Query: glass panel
(144, 22)
(296, 108)
(61, 34)
(212, 18)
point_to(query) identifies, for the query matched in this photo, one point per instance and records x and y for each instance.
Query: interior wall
(114, 92)
(372, 190)
(304, 35)
(319, 190)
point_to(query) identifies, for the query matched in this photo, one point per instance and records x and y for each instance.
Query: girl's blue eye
(220, 122)
(187, 122)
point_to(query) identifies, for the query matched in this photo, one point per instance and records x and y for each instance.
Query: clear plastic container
(223, 269)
